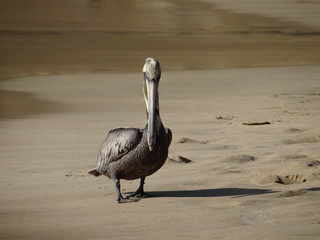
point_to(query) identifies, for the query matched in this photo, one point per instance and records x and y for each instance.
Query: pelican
(133, 153)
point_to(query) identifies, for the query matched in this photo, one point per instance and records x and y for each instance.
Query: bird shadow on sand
(219, 192)
(314, 189)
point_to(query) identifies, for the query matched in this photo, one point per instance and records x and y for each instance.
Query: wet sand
(88, 36)
(67, 79)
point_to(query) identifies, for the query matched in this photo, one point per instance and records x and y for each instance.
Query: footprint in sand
(291, 179)
(288, 179)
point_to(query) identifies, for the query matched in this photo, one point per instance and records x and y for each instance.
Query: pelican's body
(131, 153)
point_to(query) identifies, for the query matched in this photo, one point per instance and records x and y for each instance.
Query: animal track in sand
(225, 118)
(189, 140)
(307, 139)
(288, 179)
(315, 163)
(179, 159)
(291, 179)
(242, 158)
(223, 147)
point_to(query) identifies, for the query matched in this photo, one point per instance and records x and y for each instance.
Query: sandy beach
(240, 91)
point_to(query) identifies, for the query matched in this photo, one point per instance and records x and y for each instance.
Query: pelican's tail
(94, 172)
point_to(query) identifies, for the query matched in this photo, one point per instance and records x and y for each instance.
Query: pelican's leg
(121, 199)
(140, 192)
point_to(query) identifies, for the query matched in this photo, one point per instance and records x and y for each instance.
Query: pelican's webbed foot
(140, 193)
(127, 200)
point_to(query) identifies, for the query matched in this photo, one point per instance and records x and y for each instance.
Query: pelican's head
(152, 73)
(152, 70)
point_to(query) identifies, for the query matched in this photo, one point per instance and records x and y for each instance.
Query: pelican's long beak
(152, 90)
(152, 73)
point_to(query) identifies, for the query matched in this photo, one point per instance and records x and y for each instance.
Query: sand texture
(240, 90)
(248, 180)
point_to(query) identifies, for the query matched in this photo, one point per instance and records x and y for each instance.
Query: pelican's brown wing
(118, 143)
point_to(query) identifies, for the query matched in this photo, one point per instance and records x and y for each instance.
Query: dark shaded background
(44, 37)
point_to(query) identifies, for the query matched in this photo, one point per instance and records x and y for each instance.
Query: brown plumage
(131, 153)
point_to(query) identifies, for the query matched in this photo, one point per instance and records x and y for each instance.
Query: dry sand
(243, 181)
(233, 186)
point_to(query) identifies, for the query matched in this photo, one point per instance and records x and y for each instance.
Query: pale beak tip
(150, 148)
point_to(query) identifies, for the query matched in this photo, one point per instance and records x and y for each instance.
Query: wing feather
(118, 142)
